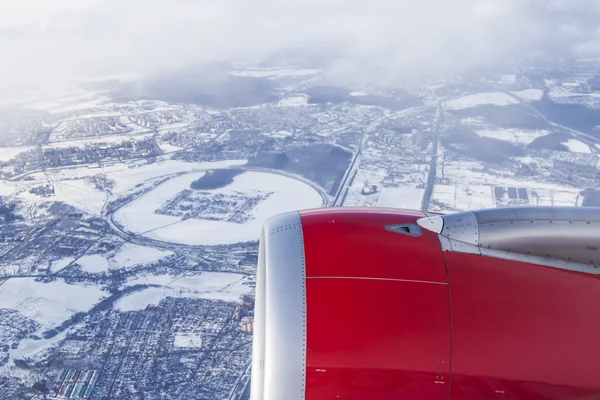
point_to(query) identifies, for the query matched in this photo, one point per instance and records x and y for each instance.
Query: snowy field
(29, 348)
(287, 194)
(187, 340)
(402, 197)
(75, 192)
(295, 101)
(529, 94)
(81, 195)
(572, 93)
(166, 147)
(576, 146)
(478, 99)
(517, 136)
(281, 134)
(61, 263)
(93, 263)
(72, 188)
(50, 303)
(127, 256)
(6, 189)
(130, 255)
(464, 197)
(8, 153)
(208, 285)
(470, 187)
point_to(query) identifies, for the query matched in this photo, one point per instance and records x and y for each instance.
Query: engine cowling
(364, 304)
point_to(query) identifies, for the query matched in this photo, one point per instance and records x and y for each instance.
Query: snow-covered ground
(49, 303)
(168, 148)
(80, 194)
(30, 347)
(129, 255)
(508, 79)
(518, 136)
(294, 101)
(93, 263)
(187, 340)
(464, 197)
(478, 99)
(562, 89)
(207, 285)
(162, 280)
(8, 153)
(402, 197)
(76, 192)
(71, 188)
(61, 263)
(6, 189)
(577, 146)
(529, 94)
(572, 93)
(279, 134)
(470, 187)
(127, 177)
(557, 94)
(287, 194)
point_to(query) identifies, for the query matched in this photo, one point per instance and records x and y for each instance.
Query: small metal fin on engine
(433, 224)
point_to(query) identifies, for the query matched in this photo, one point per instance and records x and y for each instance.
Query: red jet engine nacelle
(382, 304)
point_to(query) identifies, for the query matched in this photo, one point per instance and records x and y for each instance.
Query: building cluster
(245, 313)
(244, 133)
(101, 153)
(66, 155)
(229, 207)
(88, 127)
(30, 249)
(74, 384)
(172, 350)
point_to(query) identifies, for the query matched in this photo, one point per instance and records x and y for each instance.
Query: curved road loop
(146, 241)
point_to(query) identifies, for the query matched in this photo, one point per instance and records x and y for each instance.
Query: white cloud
(37, 13)
(569, 29)
(63, 39)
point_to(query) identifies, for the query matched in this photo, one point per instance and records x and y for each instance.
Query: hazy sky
(51, 41)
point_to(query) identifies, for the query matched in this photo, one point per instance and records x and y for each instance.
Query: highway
(352, 169)
(433, 162)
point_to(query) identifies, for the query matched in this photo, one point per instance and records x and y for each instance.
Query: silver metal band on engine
(279, 354)
(560, 237)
